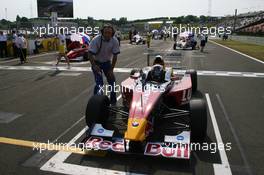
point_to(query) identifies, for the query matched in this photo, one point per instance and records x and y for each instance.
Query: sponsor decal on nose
(135, 124)
(180, 138)
(101, 130)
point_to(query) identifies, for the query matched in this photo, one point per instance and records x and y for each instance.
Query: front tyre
(198, 119)
(97, 110)
(193, 75)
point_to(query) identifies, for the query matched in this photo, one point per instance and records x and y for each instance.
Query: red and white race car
(78, 48)
(159, 115)
(78, 54)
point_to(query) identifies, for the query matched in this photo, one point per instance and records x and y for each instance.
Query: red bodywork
(76, 50)
(180, 93)
(141, 104)
(75, 53)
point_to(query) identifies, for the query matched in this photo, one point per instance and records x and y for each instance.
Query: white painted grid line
(127, 70)
(56, 163)
(224, 168)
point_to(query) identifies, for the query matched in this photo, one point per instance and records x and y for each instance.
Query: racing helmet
(158, 60)
(157, 73)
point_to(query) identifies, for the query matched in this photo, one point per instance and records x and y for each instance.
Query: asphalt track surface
(44, 105)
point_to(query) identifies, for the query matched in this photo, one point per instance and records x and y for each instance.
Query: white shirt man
(21, 42)
(3, 38)
(14, 36)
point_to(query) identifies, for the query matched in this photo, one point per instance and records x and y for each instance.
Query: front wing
(172, 146)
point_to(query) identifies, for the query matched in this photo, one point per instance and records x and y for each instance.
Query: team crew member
(149, 36)
(103, 49)
(3, 44)
(62, 49)
(14, 36)
(130, 36)
(21, 44)
(118, 35)
(203, 42)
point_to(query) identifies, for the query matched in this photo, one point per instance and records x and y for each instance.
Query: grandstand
(251, 22)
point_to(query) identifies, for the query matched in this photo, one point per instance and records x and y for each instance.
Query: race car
(158, 116)
(78, 54)
(137, 39)
(186, 40)
(78, 48)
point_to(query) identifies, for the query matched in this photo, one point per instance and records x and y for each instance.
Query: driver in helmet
(159, 61)
(157, 72)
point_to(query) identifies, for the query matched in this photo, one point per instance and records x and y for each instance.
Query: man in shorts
(62, 49)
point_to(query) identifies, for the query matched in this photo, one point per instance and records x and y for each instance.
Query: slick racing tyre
(193, 74)
(97, 110)
(198, 119)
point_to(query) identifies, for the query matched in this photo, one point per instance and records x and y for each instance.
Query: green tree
(18, 18)
(190, 19)
(179, 20)
(203, 19)
(4, 22)
(90, 20)
(24, 19)
(122, 20)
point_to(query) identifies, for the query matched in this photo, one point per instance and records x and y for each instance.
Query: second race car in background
(78, 47)
(186, 41)
(137, 39)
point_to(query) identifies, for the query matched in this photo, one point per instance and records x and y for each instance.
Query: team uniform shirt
(62, 43)
(62, 39)
(104, 50)
(149, 37)
(14, 36)
(118, 34)
(21, 42)
(202, 37)
(3, 38)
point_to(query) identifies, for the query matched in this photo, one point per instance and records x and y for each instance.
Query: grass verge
(253, 50)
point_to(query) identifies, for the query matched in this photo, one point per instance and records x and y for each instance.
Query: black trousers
(3, 48)
(15, 52)
(119, 40)
(22, 54)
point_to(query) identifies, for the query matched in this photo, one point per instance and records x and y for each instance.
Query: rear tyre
(193, 75)
(198, 119)
(97, 110)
